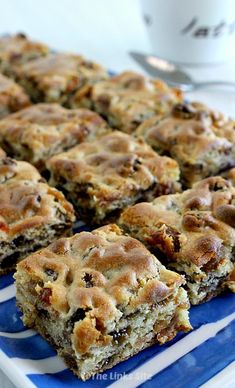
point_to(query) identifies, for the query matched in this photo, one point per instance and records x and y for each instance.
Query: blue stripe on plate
(34, 348)
(213, 311)
(191, 370)
(216, 310)
(10, 317)
(210, 312)
(200, 364)
(6, 281)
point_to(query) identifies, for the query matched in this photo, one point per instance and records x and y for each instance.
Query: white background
(103, 30)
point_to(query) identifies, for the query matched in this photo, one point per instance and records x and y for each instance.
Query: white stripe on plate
(7, 293)
(52, 364)
(172, 354)
(19, 335)
(14, 373)
(225, 378)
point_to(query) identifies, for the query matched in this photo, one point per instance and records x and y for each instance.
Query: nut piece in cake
(12, 97)
(104, 176)
(43, 130)
(18, 49)
(100, 297)
(32, 214)
(63, 78)
(195, 233)
(128, 99)
(202, 141)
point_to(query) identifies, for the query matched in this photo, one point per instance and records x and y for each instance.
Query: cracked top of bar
(115, 168)
(12, 96)
(129, 98)
(104, 274)
(18, 49)
(42, 130)
(26, 200)
(201, 140)
(191, 226)
(60, 77)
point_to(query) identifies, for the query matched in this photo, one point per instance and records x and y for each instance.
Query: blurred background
(105, 30)
(100, 29)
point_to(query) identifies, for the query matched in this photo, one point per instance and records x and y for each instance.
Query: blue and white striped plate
(205, 355)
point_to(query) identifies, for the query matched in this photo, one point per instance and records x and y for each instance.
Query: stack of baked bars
(150, 174)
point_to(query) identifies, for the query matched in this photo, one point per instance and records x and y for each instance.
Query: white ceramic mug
(191, 31)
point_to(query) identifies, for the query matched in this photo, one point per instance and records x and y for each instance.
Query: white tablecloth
(103, 30)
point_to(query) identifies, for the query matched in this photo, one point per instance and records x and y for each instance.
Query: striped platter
(204, 357)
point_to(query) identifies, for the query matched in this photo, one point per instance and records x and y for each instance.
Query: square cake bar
(12, 97)
(32, 214)
(202, 141)
(100, 297)
(18, 49)
(194, 232)
(43, 130)
(104, 176)
(63, 78)
(126, 100)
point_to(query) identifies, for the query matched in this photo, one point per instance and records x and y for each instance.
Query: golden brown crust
(63, 78)
(103, 274)
(194, 229)
(12, 97)
(112, 172)
(26, 198)
(116, 264)
(201, 140)
(28, 205)
(18, 49)
(43, 130)
(128, 99)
